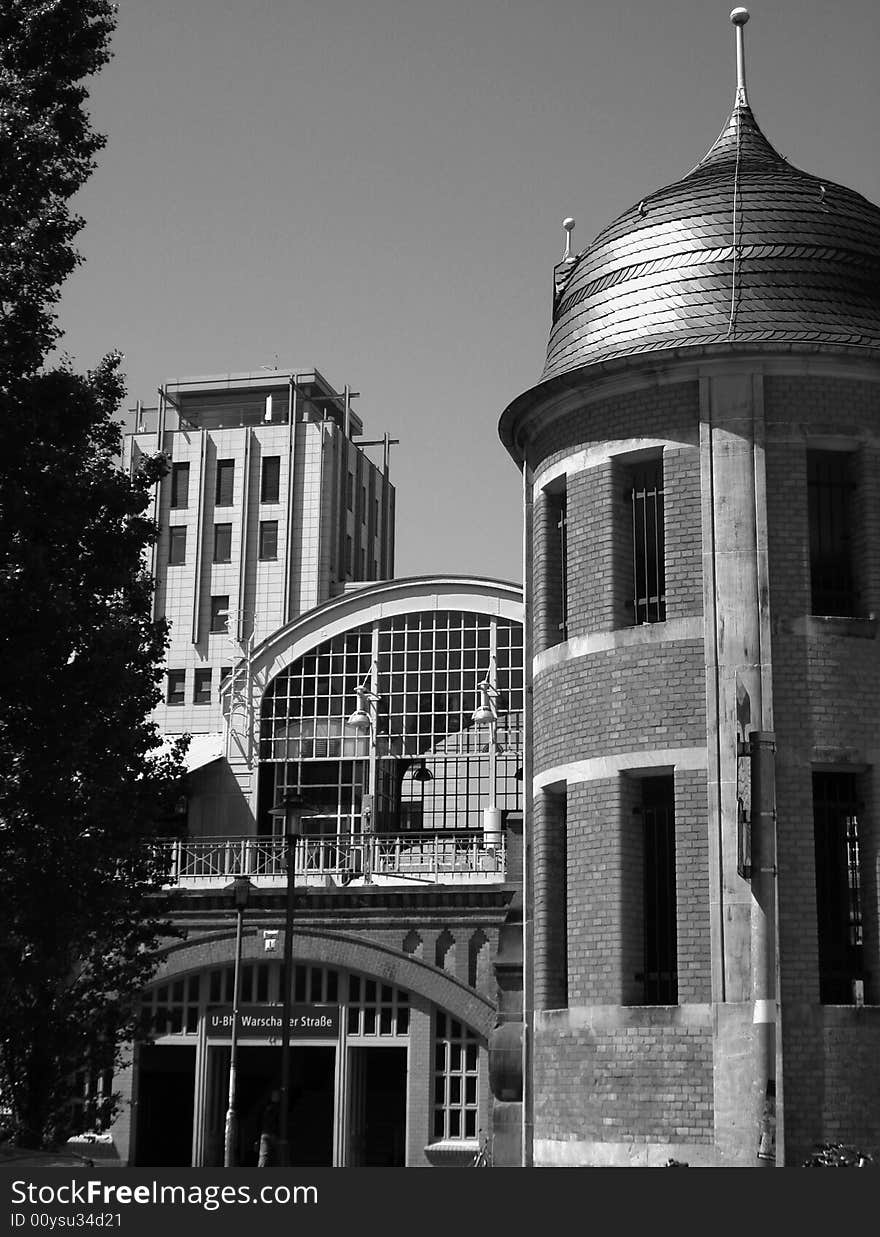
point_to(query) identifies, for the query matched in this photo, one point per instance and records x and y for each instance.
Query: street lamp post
(486, 714)
(241, 889)
(363, 720)
(290, 810)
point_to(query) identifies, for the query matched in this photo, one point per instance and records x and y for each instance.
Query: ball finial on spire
(568, 225)
(739, 17)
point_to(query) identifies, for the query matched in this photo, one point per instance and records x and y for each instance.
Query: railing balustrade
(422, 856)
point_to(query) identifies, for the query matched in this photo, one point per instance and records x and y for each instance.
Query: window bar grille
(562, 526)
(646, 498)
(838, 887)
(829, 490)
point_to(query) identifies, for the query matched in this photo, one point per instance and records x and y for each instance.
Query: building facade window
(830, 494)
(349, 553)
(270, 479)
(175, 690)
(177, 545)
(556, 564)
(659, 976)
(179, 485)
(838, 888)
(644, 489)
(268, 539)
(225, 483)
(222, 543)
(349, 491)
(202, 686)
(435, 768)
(219, 614)
(456, 1079)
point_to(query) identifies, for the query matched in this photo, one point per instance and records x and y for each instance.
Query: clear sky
(375, 188)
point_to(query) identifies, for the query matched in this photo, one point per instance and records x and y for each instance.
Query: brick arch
(349, 953)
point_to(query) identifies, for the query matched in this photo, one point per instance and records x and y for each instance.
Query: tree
(81, 784)
(47, 152)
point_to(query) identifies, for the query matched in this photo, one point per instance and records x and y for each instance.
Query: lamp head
(290, 809)
(484, 714)
(360, 721)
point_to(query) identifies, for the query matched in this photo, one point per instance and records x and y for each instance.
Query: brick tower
(702, 962)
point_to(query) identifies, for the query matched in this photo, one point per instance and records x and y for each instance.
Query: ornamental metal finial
(739, 17)
(568, 224)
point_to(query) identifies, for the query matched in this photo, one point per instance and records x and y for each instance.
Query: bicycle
(481, 1158)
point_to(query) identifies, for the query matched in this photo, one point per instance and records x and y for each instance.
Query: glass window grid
(222, 543)
(225, 482)
(219, 614)
(270, 479)
(177, 545)
(172, 1008)
(456, 1079)
(175, 692)
(376, 1009)
(202, 686)
(179, 486)
(268, 548)
(429, 665)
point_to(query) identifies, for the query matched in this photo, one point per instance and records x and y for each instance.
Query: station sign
(267, 1021)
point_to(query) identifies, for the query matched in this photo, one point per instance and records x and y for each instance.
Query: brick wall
(643, 696)
(625, 1076)
(826, 677)
(668, 413)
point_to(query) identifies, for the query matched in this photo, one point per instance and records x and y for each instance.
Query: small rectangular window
(838, 887)
(225, 483)
(270, 480)
(176, 687)
(348, 556)
(660, 956)
(177, 546)
(179, 485)
(830, 511)
(645, 492)
(349, 491)
(219, 614)
(202, 686)
(225, 672)
(222, 543)
(268, 539)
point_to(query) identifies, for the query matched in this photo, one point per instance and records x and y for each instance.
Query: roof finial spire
(739, 17)
(568, 224)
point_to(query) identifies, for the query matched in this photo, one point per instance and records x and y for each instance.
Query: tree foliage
(47, 151)
(81, 785)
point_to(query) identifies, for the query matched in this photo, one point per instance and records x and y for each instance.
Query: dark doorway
(165, 1101)
(312, 1094)
(378, 1108)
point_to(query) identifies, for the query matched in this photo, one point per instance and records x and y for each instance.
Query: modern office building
(272, 504)
(703, 529)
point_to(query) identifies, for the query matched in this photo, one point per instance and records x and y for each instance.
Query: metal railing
(448, 857)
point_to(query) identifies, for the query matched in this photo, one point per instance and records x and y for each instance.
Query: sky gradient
(375, 189)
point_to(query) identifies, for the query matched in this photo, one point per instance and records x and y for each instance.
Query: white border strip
(621, 762)
(654, 634)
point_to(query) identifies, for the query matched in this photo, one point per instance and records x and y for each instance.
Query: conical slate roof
(744, 248)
